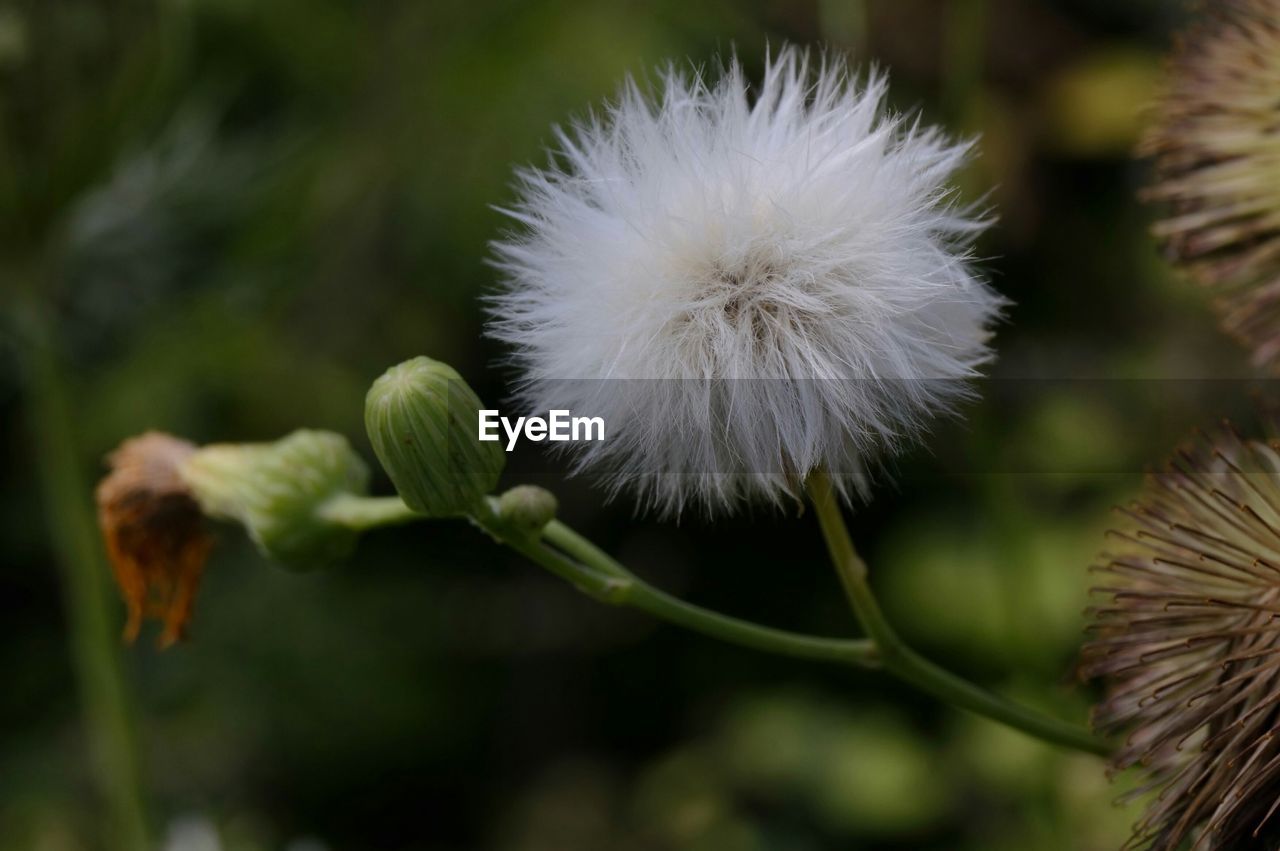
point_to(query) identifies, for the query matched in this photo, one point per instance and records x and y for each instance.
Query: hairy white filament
(745, 287)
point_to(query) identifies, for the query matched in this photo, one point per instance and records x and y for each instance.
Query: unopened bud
(527, 509)
(422, 420)
(276, 490)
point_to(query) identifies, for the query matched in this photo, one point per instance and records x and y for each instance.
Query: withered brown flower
(1187, 639)
(1216, 148)
(154, 531)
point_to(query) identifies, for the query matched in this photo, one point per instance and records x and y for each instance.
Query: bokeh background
(224, 218)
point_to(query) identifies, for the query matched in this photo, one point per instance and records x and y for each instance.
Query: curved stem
(904, 662)
(603, 578)
(367, 512)
(859, 652)
(577, 560)
(575, 545)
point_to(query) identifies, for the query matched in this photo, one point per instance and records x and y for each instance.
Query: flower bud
(422, 420)
(527, 509)
(276, 490)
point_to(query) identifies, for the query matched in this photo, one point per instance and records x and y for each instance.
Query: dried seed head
(1216, 148)
(1187, 639)
(154, 531)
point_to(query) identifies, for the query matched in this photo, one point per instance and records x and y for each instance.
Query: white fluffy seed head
(745, 288)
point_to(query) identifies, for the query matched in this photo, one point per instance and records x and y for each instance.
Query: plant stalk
(367, 512)
(901, 660)
(596, 574)
(574, 558)
(95, 640)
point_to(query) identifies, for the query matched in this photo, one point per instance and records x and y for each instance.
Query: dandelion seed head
(745, 285)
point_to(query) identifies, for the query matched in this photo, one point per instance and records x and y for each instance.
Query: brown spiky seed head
(1186, 637)
(1215, 143)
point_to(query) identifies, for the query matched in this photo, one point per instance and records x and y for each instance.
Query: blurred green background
(224, 218)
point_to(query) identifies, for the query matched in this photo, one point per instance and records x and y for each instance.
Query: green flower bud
(422, 420)
(527, 509)
(278, 490)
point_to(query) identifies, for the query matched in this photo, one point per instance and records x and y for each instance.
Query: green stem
(95, 638)
(902, 661)
(367, 512)
(598, 575)
(582, 549)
